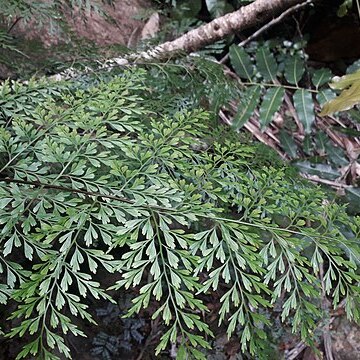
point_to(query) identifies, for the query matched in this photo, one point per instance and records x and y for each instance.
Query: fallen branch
(316, 179)
(246, 17)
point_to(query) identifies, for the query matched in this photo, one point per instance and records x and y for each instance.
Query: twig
(294, 352)
(13, 24)
(261, 137)
(268, 131)
(316, 179)
(326, 328)
(224, 118)
(269, 25)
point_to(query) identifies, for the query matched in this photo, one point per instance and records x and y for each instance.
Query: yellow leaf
(343, 82)
(349, 97)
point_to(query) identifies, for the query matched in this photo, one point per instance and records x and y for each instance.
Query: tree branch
(246, 17)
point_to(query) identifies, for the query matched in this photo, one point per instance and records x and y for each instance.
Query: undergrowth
(116, 172)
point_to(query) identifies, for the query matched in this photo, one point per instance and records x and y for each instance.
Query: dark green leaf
(336, 155)
(241, 62)
(288, 144)
(266, 63)
(271, 103)
(322, 170)
(320, 77)
(325, 96)
(304, 106)
(247, 105)
(294, 69)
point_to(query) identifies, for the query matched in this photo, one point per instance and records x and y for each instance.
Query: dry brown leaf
(352, 150)
(278, 120)
(344, 170)
(355, 171)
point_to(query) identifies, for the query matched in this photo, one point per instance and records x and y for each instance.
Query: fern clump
(92, 177)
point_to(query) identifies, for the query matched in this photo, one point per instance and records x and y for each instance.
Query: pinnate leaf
(294, 69)
(241, 62)
(271, 103)
(247, 106)
(305, 108)
(266, 63)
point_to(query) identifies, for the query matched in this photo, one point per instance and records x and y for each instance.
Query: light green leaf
(181, 353)
(343, 82)
(346, 100)
(4, 202)
(344, 8)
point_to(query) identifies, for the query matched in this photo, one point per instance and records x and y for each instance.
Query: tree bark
(246, 17)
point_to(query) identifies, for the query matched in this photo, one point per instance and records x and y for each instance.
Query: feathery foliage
(97, 176)
(49, 10)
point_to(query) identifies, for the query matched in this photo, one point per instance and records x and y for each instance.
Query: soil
(75, 36)
(121, 21)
